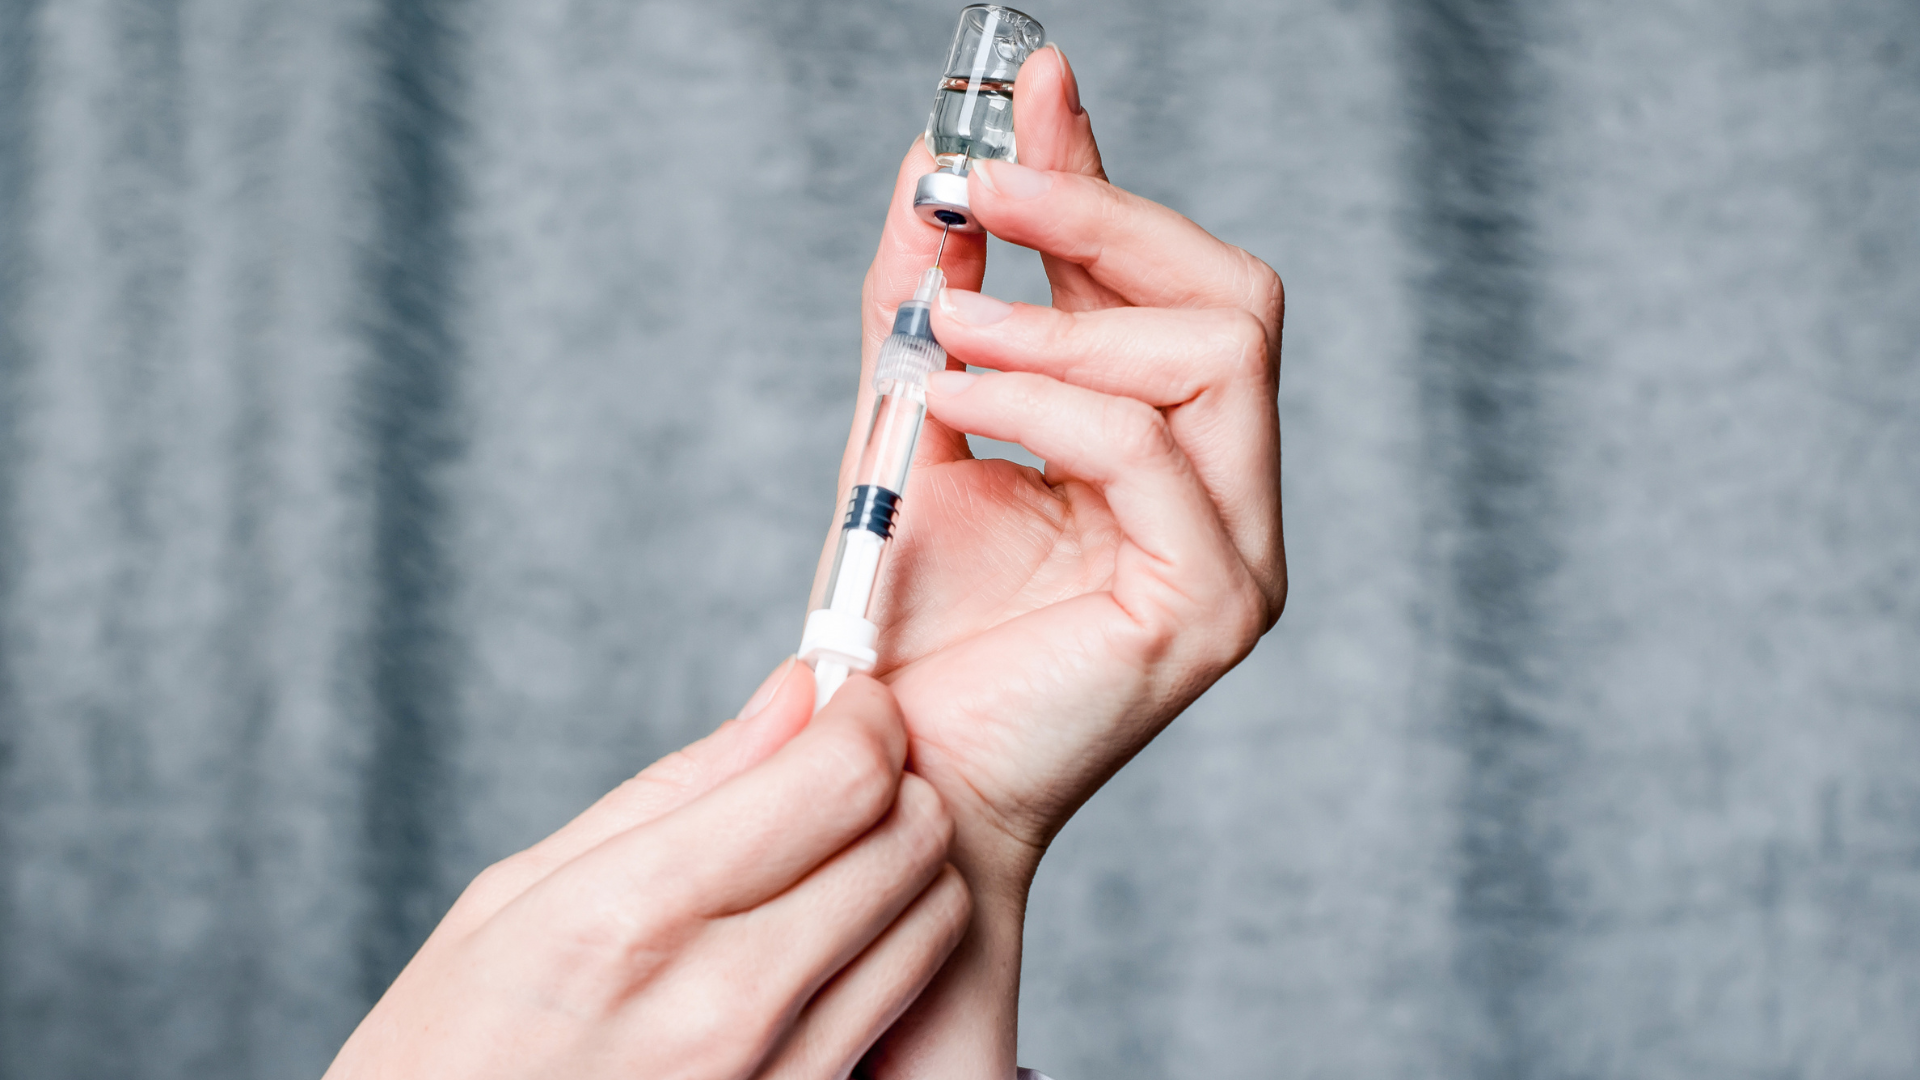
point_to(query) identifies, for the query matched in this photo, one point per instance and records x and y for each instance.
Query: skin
(772, 900)
(1040, 628)
(763, 903)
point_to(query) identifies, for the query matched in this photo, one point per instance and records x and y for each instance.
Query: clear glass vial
(973, 108)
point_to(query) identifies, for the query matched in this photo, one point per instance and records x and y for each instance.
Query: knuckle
(628, 943)
(1026, 392)
(502, 881)
(1210, 647)
(1249, 617)
(729, 1028)
(1266, 293)
(1161, 627)
(677, 771)
(928, 822)
(589, 936)
(1243, 616)
(1276, 595)
(1250, 355)
(1142, 431)
(593, 955)
(860, 771)
(1057, 330)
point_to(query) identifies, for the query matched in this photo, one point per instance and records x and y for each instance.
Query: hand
(1040, 629)
(763, 903)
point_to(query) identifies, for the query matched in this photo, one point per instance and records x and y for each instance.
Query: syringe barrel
(899, 410)
(906, 358)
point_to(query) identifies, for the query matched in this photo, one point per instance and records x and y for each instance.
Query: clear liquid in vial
(971, 125)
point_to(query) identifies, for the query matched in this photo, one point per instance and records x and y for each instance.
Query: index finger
(1147, 253)
(753, 836)
(686, 774)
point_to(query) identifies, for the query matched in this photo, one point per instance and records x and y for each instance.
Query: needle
(944, 229)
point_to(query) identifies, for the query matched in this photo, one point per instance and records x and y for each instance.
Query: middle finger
(803, 937)
(1209, 371)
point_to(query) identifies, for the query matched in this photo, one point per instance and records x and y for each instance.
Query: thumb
(1055, 132)
(1057, 135)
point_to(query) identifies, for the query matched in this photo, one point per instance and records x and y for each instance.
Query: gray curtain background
(420, 414)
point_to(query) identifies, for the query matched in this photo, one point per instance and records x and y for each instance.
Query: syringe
(839, 638)
(972, 120)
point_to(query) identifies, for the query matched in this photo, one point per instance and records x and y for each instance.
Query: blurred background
(387, 469)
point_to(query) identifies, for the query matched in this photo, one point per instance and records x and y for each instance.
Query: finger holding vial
(972, 120)
(1147, 304)
(1208, 372)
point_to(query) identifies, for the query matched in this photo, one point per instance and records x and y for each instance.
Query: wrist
(999, 869)
(998, 857)
(966, 1024)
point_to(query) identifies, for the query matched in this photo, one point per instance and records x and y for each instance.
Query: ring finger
(1209, 371)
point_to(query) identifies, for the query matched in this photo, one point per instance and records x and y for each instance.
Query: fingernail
(1011, 180)
(949, 383)
(764, 696)
(1071, 84)
(972, 308)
